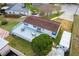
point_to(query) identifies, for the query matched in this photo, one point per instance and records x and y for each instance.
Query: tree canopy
(33, 9)
(42, 44)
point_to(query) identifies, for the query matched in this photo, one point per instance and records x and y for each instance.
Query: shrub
(4, 22)
(42, 44)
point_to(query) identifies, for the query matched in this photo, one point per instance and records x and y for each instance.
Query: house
(4, 48)
(18, 9)
(33, 26)
(43, 25)
(65, 41)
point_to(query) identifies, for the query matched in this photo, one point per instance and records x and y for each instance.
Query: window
(26, 24)
(38, 29)
(13, 12)
(34, 26)
(53, 33)
(9, 12)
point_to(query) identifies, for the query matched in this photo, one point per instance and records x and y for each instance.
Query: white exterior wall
(65, 40)
(42, 30)
(17, 13)
(5, 50)
(48, 32)
(31, 26)
(8, 12)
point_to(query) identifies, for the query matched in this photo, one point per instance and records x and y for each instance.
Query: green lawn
(11, 22)
(21, 45)
(58, 38)
(10, 25)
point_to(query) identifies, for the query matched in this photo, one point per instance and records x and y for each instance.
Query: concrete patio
(27, 34)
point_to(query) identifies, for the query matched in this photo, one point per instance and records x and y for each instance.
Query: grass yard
(9, 26)
(25, 46)
(11, 22)
(58, 38)
(74, 51)
(66, 25)
(16, 42)
(21, 45)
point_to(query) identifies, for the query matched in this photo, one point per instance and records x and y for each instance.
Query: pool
(27, 33)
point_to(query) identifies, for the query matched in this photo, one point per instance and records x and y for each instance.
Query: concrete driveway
(69, 10)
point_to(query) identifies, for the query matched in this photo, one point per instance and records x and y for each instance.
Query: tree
(2, 5)
(48, 9)
(33, 9)
(42, 44)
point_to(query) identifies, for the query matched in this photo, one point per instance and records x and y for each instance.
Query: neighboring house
(37, 26)
(18, 9)
(4, 48)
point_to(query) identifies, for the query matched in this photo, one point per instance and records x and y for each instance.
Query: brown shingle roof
(44, 23)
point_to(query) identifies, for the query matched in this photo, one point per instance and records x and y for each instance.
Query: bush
(42, 44)
(4, 22)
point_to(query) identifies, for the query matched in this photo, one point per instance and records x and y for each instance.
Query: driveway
(69, 10)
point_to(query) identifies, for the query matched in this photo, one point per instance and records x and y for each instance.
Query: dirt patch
(66, 25)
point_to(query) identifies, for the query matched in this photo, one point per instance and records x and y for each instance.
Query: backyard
(25, 46)
(11, 22)
(21, 45)
(18, 43)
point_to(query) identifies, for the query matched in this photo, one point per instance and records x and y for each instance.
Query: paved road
(69, 11)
